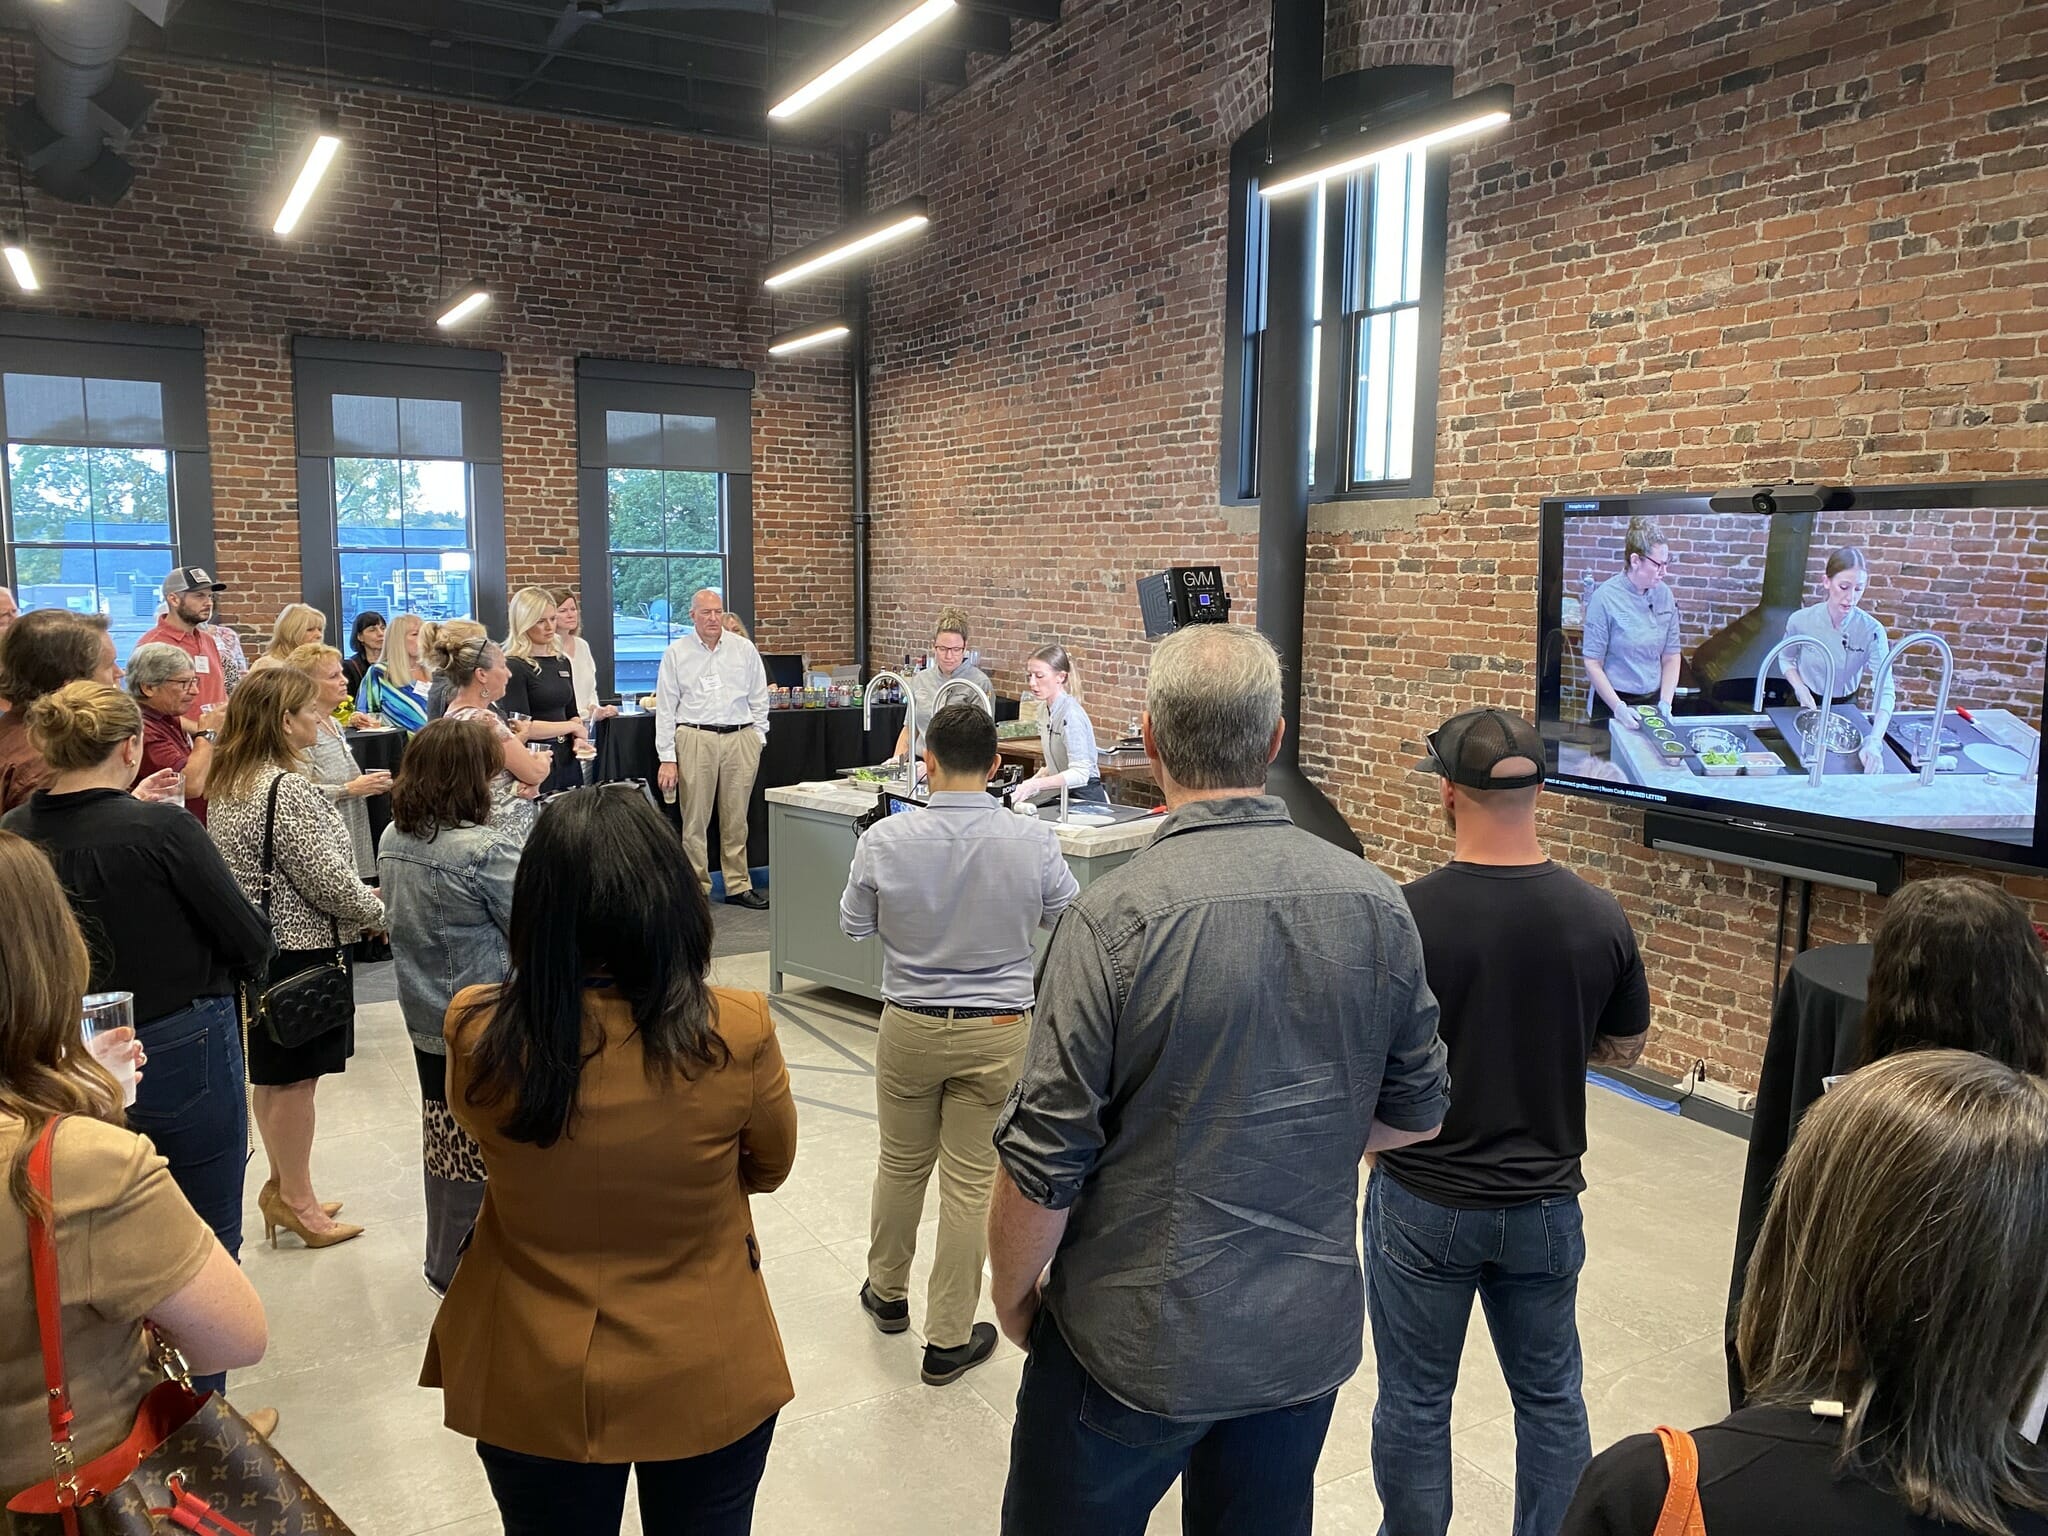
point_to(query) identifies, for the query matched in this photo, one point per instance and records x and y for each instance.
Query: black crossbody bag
(305, 1005)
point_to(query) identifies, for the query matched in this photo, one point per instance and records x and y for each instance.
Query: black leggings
(708, 1495)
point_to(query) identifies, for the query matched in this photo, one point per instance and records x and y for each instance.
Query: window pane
(1418, 170)
(1375, 362)
(693, 522)
(46, 406)
(435, 584)
(130, 582)
(1389, 233)
(51, 494)
(633, 437)
(430, 429)
(1315, 236)
(131, 495)
(1401, 431)
(435, 496)
(1315, 394)
(124, 410)
(367, 425)
(650, 607)
(635, 498)
(689, 440)
(366, 506)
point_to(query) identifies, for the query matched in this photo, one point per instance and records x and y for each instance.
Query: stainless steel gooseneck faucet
(1827, 699)
(1931, 753)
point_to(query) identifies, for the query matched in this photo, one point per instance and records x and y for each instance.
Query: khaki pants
(939, 1084)
(717, 767)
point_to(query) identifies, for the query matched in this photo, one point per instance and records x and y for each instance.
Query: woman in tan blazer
(610, 1311)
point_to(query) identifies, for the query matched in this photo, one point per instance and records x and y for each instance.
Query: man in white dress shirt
(710, 723)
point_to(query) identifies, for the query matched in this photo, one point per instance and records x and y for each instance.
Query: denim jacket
(1219, 1023)
(449, 901)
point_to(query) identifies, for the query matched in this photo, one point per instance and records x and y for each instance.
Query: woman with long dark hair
(130, 1244)
(626, 1110)
(447, 874)
(1894, 1331)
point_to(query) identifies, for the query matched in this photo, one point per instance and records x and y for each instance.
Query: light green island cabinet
(810, 849)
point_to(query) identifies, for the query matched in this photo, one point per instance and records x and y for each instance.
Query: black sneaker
(942, 1367)
(889, 1316)
(753, 901)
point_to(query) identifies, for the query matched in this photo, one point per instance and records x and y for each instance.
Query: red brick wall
(596, 241)
(1720, 244)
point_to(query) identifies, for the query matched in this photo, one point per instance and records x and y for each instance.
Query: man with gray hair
(1226, 1026)
(710, 724)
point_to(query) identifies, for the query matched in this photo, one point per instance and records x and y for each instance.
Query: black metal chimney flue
(1295, 124)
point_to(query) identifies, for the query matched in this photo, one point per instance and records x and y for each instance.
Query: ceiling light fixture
(19, 266)
(906, 218)
(468, 302)
(1458, 119)
(886, 41)
(808, 337)
(319, 157)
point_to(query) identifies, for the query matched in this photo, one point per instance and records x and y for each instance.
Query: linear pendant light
(809, 336)
(464, 304)
(906, 218)
(19, 266)
(319, 157)
(886, 41)
(1459, 119)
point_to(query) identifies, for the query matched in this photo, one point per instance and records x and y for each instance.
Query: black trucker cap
(1467, 748)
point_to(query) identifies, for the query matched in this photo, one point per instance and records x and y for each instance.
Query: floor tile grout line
(843, 1109)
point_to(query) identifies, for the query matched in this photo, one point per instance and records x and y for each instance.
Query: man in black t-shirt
(1537, 975)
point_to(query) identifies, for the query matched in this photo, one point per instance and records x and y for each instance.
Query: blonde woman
(583, 665)
(331, 764)
(1631, 645)
(394, 689)
(477, 674)
(296, 625)
(438, 642)
(318, 906)
(1066, 736)
(543, 688)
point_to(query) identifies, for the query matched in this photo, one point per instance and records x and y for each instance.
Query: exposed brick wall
(596, 241)
(1721, 244)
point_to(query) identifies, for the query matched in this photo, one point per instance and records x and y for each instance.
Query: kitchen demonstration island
(810, 850)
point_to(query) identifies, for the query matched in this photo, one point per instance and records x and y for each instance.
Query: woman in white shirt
(1065, 733)
(582, 665)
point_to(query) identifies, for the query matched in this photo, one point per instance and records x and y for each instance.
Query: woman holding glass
(542, 688)
(331, 764)
(477, 676)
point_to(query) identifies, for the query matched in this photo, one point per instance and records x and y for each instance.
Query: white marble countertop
(843, 797)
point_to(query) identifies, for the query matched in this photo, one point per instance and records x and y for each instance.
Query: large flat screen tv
(1658, 616)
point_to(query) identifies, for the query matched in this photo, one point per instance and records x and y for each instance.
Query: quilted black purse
(310, 1003)
(189, 1464)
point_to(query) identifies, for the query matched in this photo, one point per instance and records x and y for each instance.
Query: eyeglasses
(1662, 565)
(631, 786)
(950, 650)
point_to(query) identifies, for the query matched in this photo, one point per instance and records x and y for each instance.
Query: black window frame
(171, 356)
(726, 395)
(324, 367)
(1351, 102)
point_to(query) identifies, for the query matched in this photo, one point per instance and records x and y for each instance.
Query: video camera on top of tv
(1182, 595)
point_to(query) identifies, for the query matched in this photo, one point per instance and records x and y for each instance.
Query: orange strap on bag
(1681, 1514)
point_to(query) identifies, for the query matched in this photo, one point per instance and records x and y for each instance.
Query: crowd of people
(1150, 1139)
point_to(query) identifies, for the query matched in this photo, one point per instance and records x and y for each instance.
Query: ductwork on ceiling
(70, 135)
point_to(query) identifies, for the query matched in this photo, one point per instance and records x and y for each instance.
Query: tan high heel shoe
(269, 1192)
(277, 1214)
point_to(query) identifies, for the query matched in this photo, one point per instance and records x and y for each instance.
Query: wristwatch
(205, 735)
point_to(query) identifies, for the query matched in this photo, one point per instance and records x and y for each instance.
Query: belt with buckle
(716, 730)
(924, 1011)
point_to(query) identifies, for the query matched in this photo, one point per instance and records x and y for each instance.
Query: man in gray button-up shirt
(1226, 1026)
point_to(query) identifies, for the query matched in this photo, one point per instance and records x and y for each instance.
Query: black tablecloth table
(375, 750)
(1816, 1033)
(803, 745)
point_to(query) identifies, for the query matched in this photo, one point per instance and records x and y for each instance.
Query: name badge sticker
(202, 664)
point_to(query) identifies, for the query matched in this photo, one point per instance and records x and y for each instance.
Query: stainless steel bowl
(1842, 734)
(1710, 738)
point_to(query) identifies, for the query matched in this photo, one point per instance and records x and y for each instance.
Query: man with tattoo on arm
(1537, 975)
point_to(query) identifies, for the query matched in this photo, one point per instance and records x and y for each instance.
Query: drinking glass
(106, 1012)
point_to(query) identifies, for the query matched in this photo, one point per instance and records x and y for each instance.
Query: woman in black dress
(543, 689)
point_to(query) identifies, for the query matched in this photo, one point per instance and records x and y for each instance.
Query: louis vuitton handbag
(190, 1465)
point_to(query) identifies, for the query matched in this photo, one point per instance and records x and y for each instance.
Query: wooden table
(1128, 772)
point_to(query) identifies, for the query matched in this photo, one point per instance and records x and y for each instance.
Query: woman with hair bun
(1631, 640)
(1857, 642)
(162, 919)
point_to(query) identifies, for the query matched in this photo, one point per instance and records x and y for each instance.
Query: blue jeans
(191, 1105)
(1423, 1263)
(1084, 1464)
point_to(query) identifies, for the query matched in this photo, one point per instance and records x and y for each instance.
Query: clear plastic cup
(106, 1012)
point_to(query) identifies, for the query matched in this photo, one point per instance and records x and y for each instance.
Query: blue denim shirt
(1219, 1023)
(449, 901)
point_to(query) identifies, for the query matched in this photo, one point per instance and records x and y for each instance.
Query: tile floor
(866, 1449)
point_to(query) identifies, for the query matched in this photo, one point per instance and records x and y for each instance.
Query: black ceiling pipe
(1284, 385)
(855, 200)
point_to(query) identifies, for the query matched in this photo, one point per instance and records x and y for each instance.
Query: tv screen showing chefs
(1856, 641)
(1631, 643)
(949, 664)
(710, 724)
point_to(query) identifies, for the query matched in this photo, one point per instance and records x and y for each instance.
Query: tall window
(103, 484)
(666, 494)
(1378, 244)
(401, 482)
